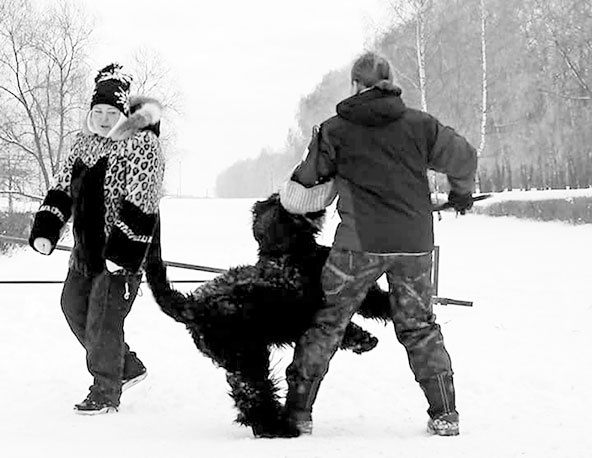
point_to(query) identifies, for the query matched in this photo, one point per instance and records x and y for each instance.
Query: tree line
(515, 78)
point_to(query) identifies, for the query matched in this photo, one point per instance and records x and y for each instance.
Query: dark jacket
(379, 151)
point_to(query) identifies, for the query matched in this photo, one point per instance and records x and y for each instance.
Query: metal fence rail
(435, 272)
(181, 265)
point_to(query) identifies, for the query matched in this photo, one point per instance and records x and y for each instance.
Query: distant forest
(515, 78)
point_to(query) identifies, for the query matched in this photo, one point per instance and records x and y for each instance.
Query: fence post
(435, 269)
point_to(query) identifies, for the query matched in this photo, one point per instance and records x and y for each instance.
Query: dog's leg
(255, 394)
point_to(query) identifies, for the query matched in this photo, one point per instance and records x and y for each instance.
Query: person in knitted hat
(109, 104)
(109, 185)
(376, 151)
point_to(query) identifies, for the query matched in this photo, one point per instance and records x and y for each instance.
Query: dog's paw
(357, 339)
(365, 345)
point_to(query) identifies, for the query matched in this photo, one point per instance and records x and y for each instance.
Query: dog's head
(277, 231)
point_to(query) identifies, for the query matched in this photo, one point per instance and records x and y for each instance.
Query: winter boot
(444, 425)
(128, 382)
(302, 421)
(95, 404)
(440, 394)
(283, 428)
(134, 370)
(299, 402)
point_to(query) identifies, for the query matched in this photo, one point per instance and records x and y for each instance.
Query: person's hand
(112, 267)
(460, 202)
(42, 245)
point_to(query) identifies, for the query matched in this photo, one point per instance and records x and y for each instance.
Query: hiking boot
(444, 425)
(128, 382)
(304, 427)
(302, 421)
(94, 405)
(283, 429)
(299, 401)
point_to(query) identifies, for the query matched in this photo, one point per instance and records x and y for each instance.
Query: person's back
(379, 152)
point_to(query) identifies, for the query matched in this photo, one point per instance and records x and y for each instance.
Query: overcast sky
(241, 66)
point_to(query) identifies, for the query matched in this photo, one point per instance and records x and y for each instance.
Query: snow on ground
(522, 356)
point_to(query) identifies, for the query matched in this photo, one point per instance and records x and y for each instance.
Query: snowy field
(522, 356)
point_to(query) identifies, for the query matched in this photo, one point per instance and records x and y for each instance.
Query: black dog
(235, 318)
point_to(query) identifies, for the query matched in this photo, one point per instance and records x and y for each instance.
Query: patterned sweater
(111, 189)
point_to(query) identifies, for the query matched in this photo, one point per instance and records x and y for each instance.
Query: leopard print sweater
(112, 189)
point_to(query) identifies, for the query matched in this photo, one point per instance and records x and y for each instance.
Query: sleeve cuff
(46, 225)
(130, 237)
(298, 199)
(52, 215)
(125, 252)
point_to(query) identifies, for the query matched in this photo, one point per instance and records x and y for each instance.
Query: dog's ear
(261, 206)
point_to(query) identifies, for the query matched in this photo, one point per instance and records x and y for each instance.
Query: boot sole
(102, 411)
(133, 382)
(443, 432)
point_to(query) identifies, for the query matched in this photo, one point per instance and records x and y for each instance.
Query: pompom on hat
(112, 87)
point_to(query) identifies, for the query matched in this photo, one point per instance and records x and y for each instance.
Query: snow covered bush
(14, 225)
(541, 206)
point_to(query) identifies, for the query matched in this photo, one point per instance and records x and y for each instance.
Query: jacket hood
(377, 106)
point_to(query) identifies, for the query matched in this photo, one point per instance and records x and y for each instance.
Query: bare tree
(418, 12)
(13, 176)
(567, 25)
(42, 63)
(154, 79)
(481, 147)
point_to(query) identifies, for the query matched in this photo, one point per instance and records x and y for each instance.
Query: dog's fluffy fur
(235, 318)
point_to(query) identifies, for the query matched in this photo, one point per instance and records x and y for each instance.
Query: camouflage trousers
(346, 277)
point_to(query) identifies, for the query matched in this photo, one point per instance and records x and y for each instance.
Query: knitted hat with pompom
(112, 87)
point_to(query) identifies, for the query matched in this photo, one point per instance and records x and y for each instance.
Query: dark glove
(460, 202)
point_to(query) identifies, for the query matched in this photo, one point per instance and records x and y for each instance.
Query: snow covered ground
(522, 356)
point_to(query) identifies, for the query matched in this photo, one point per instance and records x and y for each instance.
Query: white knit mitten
(299, 199)
(42, 245)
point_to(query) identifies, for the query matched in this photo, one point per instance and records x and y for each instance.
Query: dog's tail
(172, 302)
